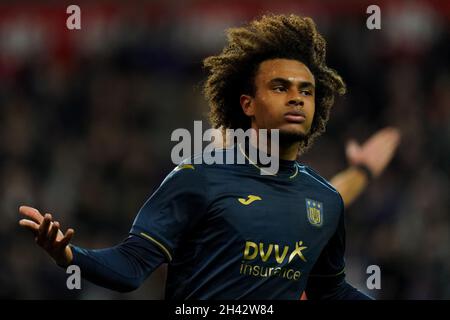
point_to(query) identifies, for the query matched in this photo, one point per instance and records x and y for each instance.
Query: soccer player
(226, 231)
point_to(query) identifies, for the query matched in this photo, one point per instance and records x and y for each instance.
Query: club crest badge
(314, 211)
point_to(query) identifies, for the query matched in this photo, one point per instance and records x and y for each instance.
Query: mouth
(295, 116)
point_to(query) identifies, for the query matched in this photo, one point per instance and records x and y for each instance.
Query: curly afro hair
(232, 72)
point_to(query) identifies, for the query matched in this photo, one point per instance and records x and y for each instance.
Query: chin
(294, 130)
(291, 136)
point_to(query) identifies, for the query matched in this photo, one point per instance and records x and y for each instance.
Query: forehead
(292, 70)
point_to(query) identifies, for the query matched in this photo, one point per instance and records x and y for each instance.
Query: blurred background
(86, 117)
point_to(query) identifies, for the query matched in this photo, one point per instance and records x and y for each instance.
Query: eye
(306, 92)
(279, 89)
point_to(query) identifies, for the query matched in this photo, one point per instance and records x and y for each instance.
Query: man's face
(284, 98)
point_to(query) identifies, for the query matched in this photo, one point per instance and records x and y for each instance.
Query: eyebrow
(286, 82)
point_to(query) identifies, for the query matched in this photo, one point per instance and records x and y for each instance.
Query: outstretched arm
(158, 229)
(122, 268)
(374, 155)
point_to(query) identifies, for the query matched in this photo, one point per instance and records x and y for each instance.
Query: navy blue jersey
(229, 232)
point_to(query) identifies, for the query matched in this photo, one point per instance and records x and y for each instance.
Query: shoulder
(191, 170)
(317, 179)
(185, 172)
(323, 184)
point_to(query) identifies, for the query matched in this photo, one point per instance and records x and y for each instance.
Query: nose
(297, 101)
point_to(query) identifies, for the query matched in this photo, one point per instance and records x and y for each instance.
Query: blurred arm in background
(374, 155)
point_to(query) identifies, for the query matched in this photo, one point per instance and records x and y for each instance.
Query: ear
(247, 105)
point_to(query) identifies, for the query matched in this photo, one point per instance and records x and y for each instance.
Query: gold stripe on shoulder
(185, 166)
(159, 244)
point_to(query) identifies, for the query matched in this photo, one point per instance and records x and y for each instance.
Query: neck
(287, 151)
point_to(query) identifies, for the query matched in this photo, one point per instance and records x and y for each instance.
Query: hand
(48, 234)
(376, 152)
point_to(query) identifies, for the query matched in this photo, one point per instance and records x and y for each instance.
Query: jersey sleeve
(173, 209)
(123, 267)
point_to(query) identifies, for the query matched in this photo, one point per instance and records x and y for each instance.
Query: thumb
(353, 152)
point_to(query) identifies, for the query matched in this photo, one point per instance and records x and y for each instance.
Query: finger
(43, 229)
(30, 225)
(388, 130)
(389, 144)
(353, 151)
(381, 144)
(386, 135)
(31, 213)
(395, 136)
(391, 135)
(384, 150)
(383, 133)
(392, 143)
(392, 130)
(377, 140)
(67, 237)
(53, 232)
(352, 145)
